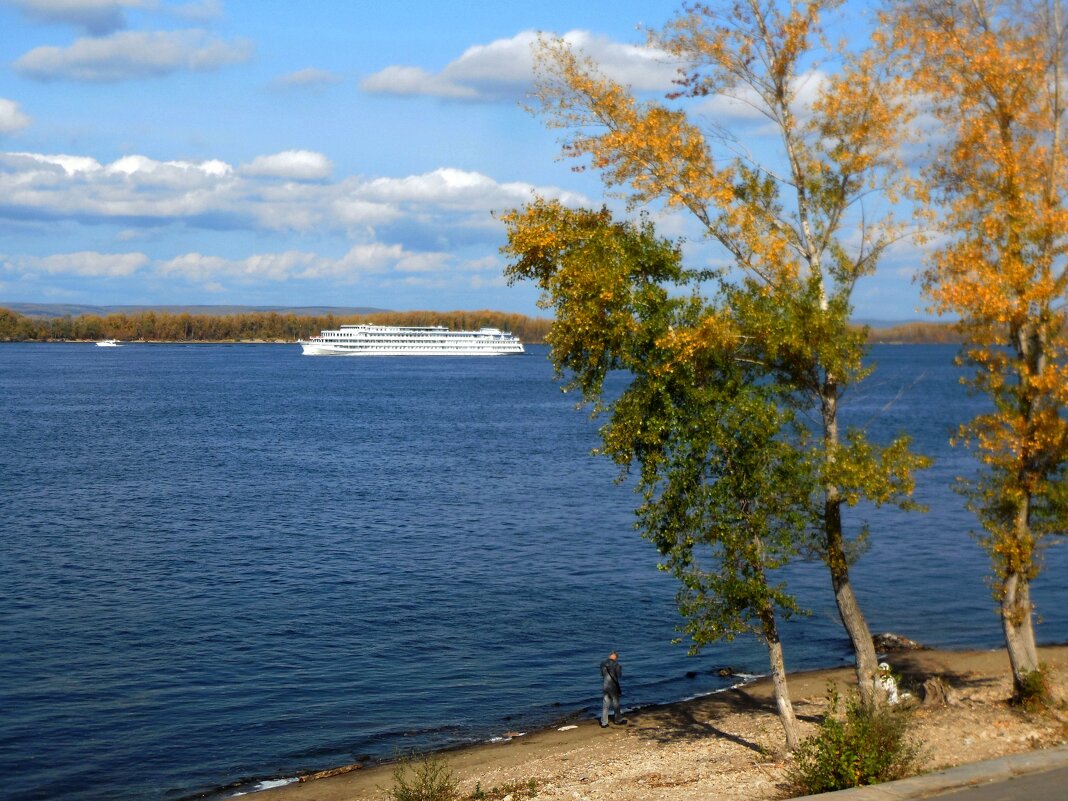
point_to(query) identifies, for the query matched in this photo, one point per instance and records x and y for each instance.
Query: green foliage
(732, 480)
(429, 779)
(1033, 691)
(725, 489)
(726, 506)
(769, 334)
(867, 746)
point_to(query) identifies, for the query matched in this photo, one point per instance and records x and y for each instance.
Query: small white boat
(108, 343)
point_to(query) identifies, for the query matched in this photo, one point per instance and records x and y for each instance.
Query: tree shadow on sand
(702, 719)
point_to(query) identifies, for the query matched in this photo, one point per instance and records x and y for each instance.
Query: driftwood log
(936, 692)
(326, 774)
(889, 642)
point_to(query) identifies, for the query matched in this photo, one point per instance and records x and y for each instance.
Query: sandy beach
(730, 745)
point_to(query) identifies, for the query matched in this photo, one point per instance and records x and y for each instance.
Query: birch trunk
(852, 618)
(782, 691)
(848, 609)
(770, 632)
(1018, 629)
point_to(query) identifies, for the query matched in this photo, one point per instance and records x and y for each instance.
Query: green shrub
(1033, 694)
(429, 779)
(865, 747)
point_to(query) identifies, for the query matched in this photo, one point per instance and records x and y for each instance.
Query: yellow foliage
(992, 75)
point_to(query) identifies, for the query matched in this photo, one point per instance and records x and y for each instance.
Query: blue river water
(229, 562)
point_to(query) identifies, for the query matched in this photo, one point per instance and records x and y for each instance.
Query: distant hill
(52, 310)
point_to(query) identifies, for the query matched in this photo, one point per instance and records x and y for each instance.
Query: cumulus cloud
(295, 165)
(503, 69)
(131, 55)
(260, 267)
(11, 118)
(85, 263)
(460, 188)
(398, 80)
(289, 191)
(377, 257)
(371, 263)
(309, 78)
(372, 258)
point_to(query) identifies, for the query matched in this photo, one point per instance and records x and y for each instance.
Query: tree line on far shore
(152, 326)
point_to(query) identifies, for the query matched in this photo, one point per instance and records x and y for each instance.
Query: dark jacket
(611, 672)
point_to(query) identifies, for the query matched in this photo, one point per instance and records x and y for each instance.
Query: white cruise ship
(389, 340)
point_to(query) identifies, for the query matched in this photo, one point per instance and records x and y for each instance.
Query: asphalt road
(1031, 776)
(1050, 785)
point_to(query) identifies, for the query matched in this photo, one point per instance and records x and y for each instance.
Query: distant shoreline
(876, 339)
(245, 326)
(23, 322)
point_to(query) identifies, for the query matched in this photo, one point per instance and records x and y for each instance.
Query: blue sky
(264, 152)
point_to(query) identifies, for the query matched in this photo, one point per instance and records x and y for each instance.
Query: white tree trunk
(1016, 622)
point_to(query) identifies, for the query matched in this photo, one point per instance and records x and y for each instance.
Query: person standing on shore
(611, 672)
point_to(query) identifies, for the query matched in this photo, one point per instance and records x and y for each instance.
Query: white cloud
(131, 55)
(503, 69)
(85, 263)
(288, 191)
(11, 118)
(378, 257)
(644, 69)
(171, 171)
(295, 165)
(460, 188)
(352, 211)
(308, 78)
(370, 263)
(260, 267)
(366, 259)
(399, 80)
(71, 165)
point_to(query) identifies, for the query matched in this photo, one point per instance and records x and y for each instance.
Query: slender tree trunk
(770, 631)
(1016, 610)
(848, 609)
(778, 676)
(852, 618)
(1017, 626)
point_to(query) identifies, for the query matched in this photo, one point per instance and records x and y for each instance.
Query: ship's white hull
(379, 340)
(371, 349)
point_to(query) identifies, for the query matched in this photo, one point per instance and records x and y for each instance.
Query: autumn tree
(992, 75)
(724, 494)
(792, 226)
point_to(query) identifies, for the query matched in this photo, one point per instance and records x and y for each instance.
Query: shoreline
(563, 722)
(727, 744)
